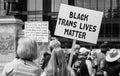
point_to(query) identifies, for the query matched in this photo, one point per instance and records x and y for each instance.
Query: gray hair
(27, 49)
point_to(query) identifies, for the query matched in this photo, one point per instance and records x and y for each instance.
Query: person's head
(77, 48)
(83, 52)
(93, 54)
(27, 49)
(113, 55)
(104, 47)
(54, 44)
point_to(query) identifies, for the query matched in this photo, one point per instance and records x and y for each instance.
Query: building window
(115, 30)
(101, 5)
(34, 9)
(108, 30)
(87, 4)
(93, 4)
(102, 30)
(56, 4)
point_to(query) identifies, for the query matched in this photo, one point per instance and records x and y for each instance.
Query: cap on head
(83, 50)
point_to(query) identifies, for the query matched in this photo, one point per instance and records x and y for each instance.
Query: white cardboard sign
(78, 23)
(37, 30)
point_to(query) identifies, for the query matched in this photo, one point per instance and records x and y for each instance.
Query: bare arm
(90, 68)
(105, 73)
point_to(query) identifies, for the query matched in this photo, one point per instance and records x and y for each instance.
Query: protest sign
(78, 23)
(37, 30)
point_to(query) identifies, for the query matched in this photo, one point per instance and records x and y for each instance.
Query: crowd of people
(55, 62)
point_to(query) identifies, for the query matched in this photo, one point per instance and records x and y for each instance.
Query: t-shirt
(112, 68)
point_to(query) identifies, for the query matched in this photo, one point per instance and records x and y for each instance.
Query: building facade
(47, 10)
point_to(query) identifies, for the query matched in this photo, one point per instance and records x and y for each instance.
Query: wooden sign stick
(71, 55)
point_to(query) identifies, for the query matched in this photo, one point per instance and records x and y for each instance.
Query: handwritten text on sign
(37, 30)
(78, 23)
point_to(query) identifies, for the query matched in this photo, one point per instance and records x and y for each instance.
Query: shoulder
(43, 74)
(72, 73)
(12, 63)
(88, 63)
(100, 55)
(34, 66)
(10, 66)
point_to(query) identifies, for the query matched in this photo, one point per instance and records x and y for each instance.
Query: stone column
(2, 11)
(9, 28)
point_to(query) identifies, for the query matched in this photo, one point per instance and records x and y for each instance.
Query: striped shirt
(19, 67)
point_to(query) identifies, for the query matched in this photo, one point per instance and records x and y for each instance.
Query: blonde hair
(55, 43)
(62, 63)
(57, 64)
(27, 49)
